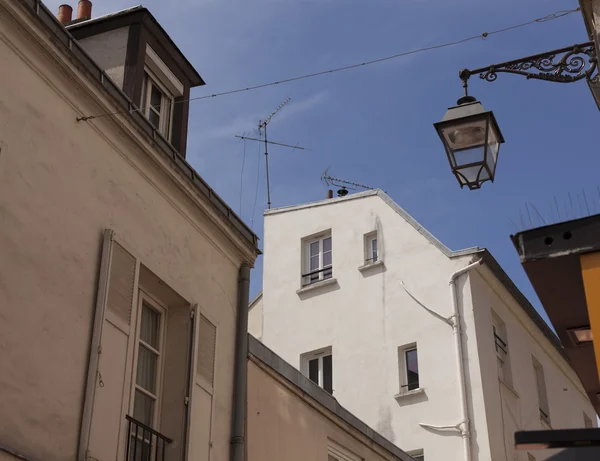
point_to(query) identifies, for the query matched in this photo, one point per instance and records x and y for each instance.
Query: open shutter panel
(202, 380)
(206, 353)
(121, 283)
(114, 320)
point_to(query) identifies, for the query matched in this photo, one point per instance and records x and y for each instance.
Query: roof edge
(75, 51)
(255, 300)
(191, 71)
(269, 358)
(393, 205)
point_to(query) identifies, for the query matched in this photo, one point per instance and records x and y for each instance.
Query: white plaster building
(357, 295)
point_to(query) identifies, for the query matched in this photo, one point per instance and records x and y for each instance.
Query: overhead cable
(483, 36)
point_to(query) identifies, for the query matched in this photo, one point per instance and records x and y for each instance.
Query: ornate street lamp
(472, 139)
(471, 135)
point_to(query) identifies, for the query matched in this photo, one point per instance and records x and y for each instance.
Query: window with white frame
(541, 391)
(318, 259)
(148, 362)
(157, 104)
(501, 347)
(371, 248)
(408, 364)
(318, 366)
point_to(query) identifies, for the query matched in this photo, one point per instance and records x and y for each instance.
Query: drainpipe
(464, 425)
(238, 425)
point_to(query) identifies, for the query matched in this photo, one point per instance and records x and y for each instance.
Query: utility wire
(242, 176)
(483, 36)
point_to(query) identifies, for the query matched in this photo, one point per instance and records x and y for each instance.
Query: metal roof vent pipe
(65, 14)
(84, 10)
(329, 193)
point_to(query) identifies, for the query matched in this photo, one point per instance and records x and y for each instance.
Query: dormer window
(157, 104)
(159, 90)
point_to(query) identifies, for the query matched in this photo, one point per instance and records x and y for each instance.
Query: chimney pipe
(84, 9)
(65, 14)
(329, 193)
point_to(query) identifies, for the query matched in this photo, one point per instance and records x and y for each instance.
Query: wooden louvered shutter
(207, 350)
(112, 352)
(121, 283)
(202, 383)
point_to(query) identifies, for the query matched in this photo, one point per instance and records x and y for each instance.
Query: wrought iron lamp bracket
(564, 65)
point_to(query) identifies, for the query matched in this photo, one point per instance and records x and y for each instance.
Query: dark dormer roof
(131, 16)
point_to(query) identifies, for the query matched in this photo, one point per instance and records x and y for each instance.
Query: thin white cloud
(248, 123)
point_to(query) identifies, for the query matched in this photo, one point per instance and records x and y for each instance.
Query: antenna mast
(262, 126)
(342, 184)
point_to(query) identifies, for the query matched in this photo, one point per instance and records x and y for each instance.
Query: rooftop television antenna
(262, 131)
(342, 184)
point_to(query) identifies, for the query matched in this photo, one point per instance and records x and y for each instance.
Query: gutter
(464, 425)
(238, 423)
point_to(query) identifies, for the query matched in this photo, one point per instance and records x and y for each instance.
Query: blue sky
(373, 125)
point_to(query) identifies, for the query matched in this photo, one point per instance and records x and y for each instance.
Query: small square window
(318, 260)
(372, 253)
(318, 366)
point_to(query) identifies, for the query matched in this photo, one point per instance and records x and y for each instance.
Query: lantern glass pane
(470, 174)
(492, 150)
(461, 135)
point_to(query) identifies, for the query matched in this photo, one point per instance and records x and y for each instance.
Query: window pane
(150, 325)
(374, 249)
(155, 97)
(313, 370)
(154, 119)
(412, 369)
(326, 244)
(327, 259)
(146, 369)
(314, 263)
(143, 408)
(314, 249)
(327, 273)
(327, 374)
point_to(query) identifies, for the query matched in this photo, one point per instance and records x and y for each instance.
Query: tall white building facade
(437, 350)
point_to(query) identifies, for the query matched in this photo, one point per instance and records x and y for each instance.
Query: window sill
(316, 285)
(418, 391)
(370, 266)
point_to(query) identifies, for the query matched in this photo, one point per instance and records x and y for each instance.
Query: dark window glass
(155, 97)
(412, 369)
(154, 119)
(327, 374)
(313, 370)
(374, 247)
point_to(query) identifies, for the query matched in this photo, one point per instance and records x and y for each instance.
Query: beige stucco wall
(61, 184)
(255, 318)
(284, 424)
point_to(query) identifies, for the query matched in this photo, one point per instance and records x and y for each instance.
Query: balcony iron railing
(315, 276)
(144, 443)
